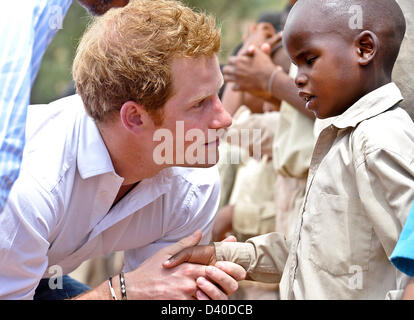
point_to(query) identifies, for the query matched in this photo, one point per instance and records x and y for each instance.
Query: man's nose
(221, 118)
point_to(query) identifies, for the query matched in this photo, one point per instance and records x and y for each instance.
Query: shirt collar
(93, 157)
(370, 105)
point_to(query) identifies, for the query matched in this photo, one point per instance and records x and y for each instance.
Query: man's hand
(218, 274)
(182, 281)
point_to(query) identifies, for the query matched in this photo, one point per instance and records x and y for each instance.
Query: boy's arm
(385, 181)
(263, 257)
(409, 291)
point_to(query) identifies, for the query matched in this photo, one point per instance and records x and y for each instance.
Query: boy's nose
(301, 80)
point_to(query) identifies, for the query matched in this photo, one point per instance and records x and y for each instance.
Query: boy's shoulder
(392, 130)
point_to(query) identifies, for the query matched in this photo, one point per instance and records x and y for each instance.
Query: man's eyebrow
(206, 95)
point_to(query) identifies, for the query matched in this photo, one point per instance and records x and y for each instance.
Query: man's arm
(25, 224)
(151, 281)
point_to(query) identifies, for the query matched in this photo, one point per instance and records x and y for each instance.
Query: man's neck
(127, 155)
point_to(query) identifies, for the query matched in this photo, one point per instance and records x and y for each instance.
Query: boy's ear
(134, 117)
(367, 44)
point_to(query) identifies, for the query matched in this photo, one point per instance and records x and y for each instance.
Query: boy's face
(329, 76)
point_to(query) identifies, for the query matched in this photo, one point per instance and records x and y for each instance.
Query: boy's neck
(376, 84)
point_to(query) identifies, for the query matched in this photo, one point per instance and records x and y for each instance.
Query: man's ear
(134, 117)
(367, 44)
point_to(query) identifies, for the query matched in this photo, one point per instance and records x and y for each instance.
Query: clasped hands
(252, 68)
(184, 271)
(221, 277)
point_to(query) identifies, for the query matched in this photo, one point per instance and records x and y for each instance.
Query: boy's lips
(308, 97)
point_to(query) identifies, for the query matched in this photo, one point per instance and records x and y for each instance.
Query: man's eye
(199, 105)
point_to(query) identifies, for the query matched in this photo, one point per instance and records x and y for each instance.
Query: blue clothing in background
(70, 289)
(26, 30)
(403, 255)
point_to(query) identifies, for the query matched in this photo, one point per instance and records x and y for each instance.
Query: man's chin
(197, 165)
(206, 163)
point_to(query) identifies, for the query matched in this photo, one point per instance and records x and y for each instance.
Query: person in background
(25, 33)
(403, 255)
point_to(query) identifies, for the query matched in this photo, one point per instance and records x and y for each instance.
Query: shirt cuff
(237, 252)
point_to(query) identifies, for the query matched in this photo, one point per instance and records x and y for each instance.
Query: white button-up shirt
(59, 210)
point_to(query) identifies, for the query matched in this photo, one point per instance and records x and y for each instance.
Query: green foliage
(54, 78)
(55, 74)
(234, 17)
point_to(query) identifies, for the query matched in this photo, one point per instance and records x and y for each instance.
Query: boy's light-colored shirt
(358, 195)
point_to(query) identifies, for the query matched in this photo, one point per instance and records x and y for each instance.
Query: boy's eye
(311, 61)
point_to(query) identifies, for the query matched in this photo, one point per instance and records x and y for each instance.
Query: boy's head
(343, 48)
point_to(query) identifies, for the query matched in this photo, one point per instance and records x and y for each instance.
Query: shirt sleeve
(386, 181)
(403, 255)
(24, 225)
(17, 38)
(263, 257)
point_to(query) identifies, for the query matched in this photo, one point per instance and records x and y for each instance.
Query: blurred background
(54, 79)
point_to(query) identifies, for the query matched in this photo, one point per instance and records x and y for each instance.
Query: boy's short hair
(383, 17)
(127, 53)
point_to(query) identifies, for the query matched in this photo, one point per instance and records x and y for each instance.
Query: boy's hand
(205, 255)
(197, 254)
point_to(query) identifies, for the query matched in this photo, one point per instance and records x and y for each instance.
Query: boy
(361, 178)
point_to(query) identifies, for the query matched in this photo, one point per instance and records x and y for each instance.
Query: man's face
(194, 113)
(99, 7)
(329, 77)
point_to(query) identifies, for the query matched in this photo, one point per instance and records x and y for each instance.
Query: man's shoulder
(40, 116)
(52, 132)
